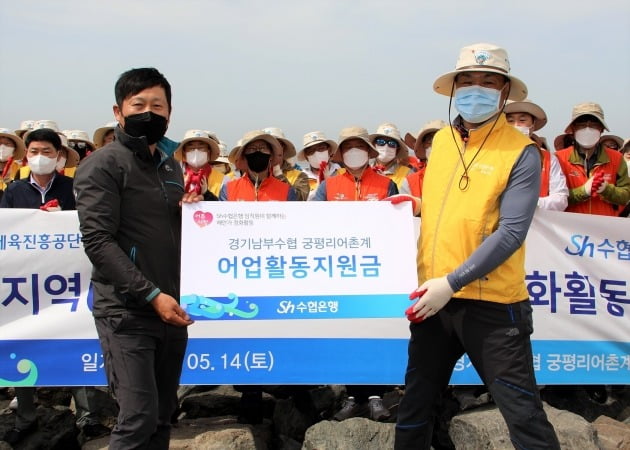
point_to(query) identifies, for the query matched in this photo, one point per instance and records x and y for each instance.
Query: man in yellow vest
(479, 196)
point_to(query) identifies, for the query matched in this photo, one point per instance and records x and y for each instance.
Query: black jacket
(22, 194)
(130, 221)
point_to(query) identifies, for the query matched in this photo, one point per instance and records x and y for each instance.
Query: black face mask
(147, 124)
(258, 161)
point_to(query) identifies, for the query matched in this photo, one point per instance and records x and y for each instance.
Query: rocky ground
(300, 419)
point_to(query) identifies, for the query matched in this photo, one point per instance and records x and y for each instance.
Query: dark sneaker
(348, 409)
(251, 408)
(378, 412)
(95, 430)
(15, 435)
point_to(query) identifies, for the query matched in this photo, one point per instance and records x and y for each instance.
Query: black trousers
(496, 337)
(143, 361)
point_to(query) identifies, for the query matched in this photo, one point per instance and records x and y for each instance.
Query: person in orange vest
(412, 184)
(317, 151)
(596, 175)
(528, 117)
(195, 153)
(393, 154)
(11, 155)
(359, 182)
(254, 158)
(283, 169)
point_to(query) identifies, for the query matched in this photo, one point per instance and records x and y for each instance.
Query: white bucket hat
(223, 153)
(19, 152)
(199, 135)
(99, 133)
(251, 136)
(354, 133)
(529, 107)
(81, 136)
(481, 58)
(391, 131)
(586, 109)
(314, 138)
(287, 145)
(25, 126)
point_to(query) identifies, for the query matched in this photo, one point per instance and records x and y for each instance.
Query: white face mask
(6, 152)
(61, 163)
(317, 158)
(196, 158)
(427, 152)
(587, 137)
(355, 158)
(385, 153)
(524, 130)
(42, 165)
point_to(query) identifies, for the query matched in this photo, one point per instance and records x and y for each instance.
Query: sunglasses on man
(389, 142)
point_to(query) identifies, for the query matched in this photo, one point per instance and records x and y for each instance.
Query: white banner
(307, 293)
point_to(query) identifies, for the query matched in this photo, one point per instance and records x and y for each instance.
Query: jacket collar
(140, 147)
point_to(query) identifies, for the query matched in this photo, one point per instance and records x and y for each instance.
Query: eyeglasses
(389, 142)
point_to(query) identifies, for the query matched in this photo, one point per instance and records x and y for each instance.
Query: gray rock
(485, 428)
(612, 434)
(351, 434)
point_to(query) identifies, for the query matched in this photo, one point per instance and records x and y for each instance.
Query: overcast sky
(237, 65)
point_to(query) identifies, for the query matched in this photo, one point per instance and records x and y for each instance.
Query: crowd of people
(128, 180)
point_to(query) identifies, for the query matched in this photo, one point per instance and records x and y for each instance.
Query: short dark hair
(137, 80)
(43, 135)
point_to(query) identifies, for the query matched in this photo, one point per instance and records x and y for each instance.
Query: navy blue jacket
(22, 194)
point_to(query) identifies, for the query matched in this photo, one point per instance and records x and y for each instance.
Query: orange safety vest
(371, 186)
(544, 174)
(271, 189)
(576, 176)
(415, 181)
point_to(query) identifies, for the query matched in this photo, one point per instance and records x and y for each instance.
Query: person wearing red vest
(412, 184)
(359, 182)
(528, 117)
(195, 154)
(596, 176)
(253, 157)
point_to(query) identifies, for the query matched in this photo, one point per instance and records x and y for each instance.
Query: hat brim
(615, 138)
(444, 84)
(568, 129)
(20, 150)
(99, 135)
(72, 158)
(558, 142)
(288, 149)
(237, 152)
(422, 153)
(215, 151)
(403, 150)
(337, 157)
(540, 118)
(332, 144)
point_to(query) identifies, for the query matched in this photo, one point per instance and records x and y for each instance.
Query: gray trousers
(143, 360)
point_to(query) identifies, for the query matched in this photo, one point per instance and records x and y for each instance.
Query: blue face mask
(476, 104)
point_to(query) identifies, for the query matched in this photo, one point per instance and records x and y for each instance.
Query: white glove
(588, 185)
(438, 293)
(602, 187)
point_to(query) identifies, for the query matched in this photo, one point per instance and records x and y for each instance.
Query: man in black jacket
(129, 195)
(44, 184)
